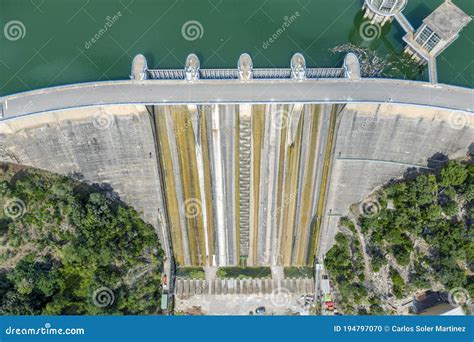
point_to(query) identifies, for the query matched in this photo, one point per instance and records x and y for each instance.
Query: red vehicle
(330, 305)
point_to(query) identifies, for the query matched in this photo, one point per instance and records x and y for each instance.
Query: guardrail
(264, 73)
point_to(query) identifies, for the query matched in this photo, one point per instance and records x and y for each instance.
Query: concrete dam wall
(238, 184)
(111, 145)
(379, 142)
(240, 181)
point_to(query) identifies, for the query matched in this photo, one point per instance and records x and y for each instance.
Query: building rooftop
(386, 7)
(325, 286)
(447, 20)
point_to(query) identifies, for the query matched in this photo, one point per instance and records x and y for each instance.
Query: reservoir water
(70, 41)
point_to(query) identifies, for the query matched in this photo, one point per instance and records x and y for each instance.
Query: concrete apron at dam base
(242, 296)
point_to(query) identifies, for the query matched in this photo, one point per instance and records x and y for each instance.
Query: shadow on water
(417, 14)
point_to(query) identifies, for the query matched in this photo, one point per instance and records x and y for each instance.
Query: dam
(241, 185)
(247, 167)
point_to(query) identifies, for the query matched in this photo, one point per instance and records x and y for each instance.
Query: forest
(418, 226)
(71, 248)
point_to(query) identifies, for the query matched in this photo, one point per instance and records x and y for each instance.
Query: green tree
(71, 242)
(453, 173)
(398, 284)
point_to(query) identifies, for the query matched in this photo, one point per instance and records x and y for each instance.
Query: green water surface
(55, 47)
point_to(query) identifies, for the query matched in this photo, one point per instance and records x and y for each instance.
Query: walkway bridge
(404, 23)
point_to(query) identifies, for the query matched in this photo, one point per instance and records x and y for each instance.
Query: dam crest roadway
(346, 87)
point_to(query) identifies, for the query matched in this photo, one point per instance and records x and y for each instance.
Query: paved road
(235, 91)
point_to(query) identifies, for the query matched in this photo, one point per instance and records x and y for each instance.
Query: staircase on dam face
(189, 287)
(245, 133)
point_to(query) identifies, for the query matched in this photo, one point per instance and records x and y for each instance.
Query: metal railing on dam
(244, 84)
(244, 70)
(223, 74)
